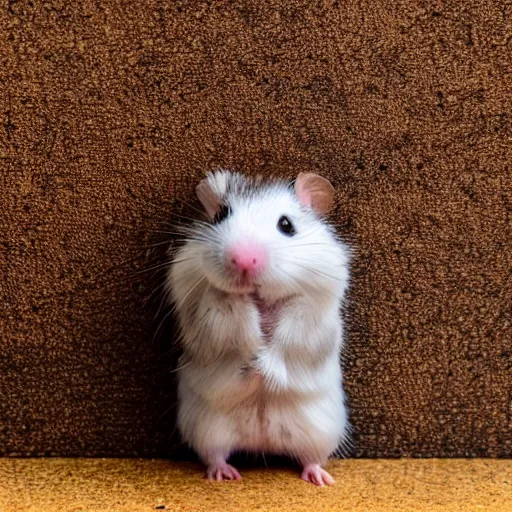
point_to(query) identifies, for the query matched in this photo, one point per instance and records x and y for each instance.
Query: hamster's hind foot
(222, 471)
(315, 474)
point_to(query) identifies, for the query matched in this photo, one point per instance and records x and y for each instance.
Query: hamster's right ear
(208, 197)
(315, 192)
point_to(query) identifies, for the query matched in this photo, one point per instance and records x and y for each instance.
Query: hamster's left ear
(208, 197)
(314, 191)
(212, 190)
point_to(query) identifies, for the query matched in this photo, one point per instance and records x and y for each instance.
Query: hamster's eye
(285, 225)
(222, 214)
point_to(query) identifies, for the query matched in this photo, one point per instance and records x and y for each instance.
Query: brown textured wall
(110, 113)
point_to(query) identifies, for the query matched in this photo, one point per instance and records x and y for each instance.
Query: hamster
(257, 292)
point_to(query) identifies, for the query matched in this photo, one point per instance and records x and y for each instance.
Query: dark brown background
(112, 111)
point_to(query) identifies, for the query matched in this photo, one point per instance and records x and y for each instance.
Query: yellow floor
(133, 485)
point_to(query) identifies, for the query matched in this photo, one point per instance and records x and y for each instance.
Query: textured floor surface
(133, 485)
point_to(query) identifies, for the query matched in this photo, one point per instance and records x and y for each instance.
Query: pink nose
(247, 259)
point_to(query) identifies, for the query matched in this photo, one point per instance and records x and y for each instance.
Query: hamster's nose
(248, 259)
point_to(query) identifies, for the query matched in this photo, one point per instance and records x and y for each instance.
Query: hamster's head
(268, 237)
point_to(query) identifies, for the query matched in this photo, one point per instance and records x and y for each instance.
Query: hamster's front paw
(247, 370)
(272, 369)
(246, 367)
(250, 366)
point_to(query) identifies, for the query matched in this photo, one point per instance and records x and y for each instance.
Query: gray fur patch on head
(224, 183)
(221, 187)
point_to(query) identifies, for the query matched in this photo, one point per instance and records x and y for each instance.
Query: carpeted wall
(110, 112)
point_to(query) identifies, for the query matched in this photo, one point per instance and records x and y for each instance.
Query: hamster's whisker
(197, 210)
(200, 233)
(203, 238)
(174, 233)
(181, 230)
(196, 232)
(325, 248)
(192, 289)
(176, 228)
(165, 296)
(145, 232)
(307, 260)
(148, 298)
(295, 282)
(154, 267)
(193, 237)
(308, 244)
(167, 242)
(180, 260)
(160, 325)
(190, 224)
(318, 272)
(181, 240)
(191, 219)
(180, 367)
(172, 211)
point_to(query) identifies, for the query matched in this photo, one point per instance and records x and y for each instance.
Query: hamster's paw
(221, 472)
(315, 474)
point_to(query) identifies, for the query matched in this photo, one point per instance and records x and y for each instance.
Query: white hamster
(257, 291)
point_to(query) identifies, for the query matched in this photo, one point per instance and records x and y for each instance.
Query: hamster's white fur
(244, 388)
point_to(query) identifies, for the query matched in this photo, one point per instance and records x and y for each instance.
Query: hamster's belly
(281, 425)
(259, 427)
(256, 420)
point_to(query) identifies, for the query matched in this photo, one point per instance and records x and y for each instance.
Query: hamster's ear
(314, 191)
(208, 197)
(213, 189)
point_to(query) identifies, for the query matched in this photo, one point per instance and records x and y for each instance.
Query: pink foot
(221, 472)
(315, 474)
